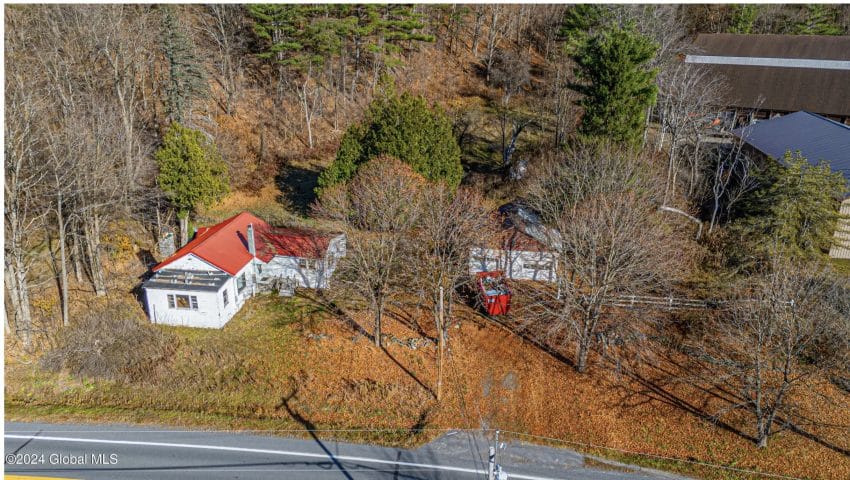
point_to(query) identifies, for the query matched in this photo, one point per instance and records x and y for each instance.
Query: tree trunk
(91, 229)
(63, 259)
(379, 315)
(76, 255)
(581, 355)
(184, 228)
(441, 343)
(763, 432)
(16, 281)
(694, 168)
(476, 32)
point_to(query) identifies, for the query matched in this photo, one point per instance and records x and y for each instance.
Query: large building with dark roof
(770, 75)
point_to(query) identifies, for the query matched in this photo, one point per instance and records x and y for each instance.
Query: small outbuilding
(514, 248)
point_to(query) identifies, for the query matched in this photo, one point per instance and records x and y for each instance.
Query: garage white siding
(522, 265)
(841, 249)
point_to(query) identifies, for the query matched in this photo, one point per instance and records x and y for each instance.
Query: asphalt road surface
(134, 452)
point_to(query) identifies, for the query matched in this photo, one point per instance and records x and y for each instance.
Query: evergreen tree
(191, 172)
(187, 80)
(616, 85)
(820, 20)
(581, 21)
(796, 211)
(403, 127)
(743, 18)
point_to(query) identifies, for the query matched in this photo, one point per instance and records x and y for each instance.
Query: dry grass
(284, 364)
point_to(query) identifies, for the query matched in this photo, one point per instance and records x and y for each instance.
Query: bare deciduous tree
(377, 210)
(452, 223)
(599, 207)
(732, 177)
(224, 25)
(686, 98)
(783, 329)
(497, 27)
(24, 181)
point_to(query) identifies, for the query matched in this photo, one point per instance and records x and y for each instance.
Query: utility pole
(441, 340)
(491, 464)
(494, 470)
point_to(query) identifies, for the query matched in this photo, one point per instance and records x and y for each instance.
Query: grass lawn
(283, 365)
(841, 265)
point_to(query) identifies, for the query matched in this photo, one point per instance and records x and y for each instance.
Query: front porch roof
(186, 280)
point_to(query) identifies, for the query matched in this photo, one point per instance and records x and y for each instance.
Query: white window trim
(192, 300)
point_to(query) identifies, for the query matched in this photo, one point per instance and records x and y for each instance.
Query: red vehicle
(494, 291)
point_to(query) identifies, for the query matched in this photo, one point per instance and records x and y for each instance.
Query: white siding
(208, 315)
(516, 264)
(842, 236)
(288, 267)
(211, 312)
(191, 262)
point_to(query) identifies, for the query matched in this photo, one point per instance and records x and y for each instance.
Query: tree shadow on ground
(310, 427)
(321, 302)
(402, 316)
(658, 383)
(319, 299)
(507, 324)
(297, 186)
(408, 372)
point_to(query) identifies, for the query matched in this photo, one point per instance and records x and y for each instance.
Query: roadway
(137, 452)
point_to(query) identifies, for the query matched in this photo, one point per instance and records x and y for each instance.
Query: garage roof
(817, 138)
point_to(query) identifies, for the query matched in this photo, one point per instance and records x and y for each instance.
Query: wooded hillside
(405, 127)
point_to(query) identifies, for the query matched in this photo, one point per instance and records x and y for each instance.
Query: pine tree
(403, 127)
(187, 80)
(580, 21)
(616, 84)
(820, 20)
(795, 213)
(191, 172)
(743, 18)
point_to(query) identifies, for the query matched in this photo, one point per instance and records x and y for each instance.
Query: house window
(182, 302)
(544, 266)
(241, 283)
(484, 261)
(307, 264)
(225, 297)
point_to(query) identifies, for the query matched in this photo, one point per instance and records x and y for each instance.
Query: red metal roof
(294, 242)
(225, 245)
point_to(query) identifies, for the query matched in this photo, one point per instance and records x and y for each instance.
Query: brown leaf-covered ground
(289, 365)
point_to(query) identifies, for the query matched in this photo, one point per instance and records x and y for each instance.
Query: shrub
(111, 344)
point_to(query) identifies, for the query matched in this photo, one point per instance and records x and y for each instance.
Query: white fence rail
(673, 303)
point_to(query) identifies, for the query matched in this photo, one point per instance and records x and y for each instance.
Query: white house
(514, 251)
(208, 280)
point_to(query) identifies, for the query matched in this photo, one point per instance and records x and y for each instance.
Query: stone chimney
(252, 249)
